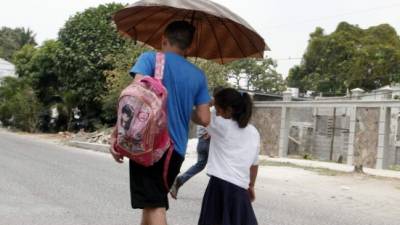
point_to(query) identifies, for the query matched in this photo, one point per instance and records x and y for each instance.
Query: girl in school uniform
(232, 163)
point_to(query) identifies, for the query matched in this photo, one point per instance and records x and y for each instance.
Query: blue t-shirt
(187, 87)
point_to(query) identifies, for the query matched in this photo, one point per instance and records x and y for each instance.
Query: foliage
(23, 60)
(69, 72)
(41, 67)
(256, 74)
(45, 72)
(349, 57)
(12, 40)
(87, 39)
(394, 167)
(118, 78)
(18, 104)
(217, 75)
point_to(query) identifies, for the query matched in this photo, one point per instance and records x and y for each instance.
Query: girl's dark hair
(239, 102)
(217, 89)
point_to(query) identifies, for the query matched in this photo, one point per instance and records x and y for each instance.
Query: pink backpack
(142, 133)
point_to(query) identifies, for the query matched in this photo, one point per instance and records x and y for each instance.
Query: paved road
(43, 183)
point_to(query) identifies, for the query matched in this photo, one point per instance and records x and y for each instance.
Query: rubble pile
(98, 137)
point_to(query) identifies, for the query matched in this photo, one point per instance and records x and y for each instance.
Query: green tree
(45, 72)
(217, 75)
(69, 101)
(256, 74)
(87, 39)
(41, 66)
(118, 78)
(12, 40)
(349, 57)
(23, 60)
(19, 107)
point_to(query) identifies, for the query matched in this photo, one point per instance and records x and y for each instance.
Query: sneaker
(174, 189)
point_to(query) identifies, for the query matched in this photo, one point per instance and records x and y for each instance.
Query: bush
(87, 39)
(19, 107)
(118, 78)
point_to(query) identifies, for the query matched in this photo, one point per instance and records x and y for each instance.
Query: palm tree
(25, 36)
(12, 40)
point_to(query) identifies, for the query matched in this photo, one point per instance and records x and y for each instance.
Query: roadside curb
(334, 166)
(90, 146)
(305, 163)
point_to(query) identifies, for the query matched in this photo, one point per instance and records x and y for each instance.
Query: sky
(284, 24)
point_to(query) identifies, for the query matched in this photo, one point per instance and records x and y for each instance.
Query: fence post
(352, 131)
(333, 134)
(383, 135)
(284, 132)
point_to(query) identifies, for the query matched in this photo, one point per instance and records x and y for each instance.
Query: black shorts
(148, 185)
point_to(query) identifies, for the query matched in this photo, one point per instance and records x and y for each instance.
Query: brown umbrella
(221, 35)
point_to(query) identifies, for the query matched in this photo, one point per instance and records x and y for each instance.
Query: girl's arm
(253, 177)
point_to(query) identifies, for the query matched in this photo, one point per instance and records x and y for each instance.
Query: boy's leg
(154, 216)
(202, 157)
(144, 219)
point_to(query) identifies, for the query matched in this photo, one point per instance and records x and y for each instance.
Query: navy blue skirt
(226, 204)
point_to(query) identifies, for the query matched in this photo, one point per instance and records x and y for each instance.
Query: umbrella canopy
(221, 35)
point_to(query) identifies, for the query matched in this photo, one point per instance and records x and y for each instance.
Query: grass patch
(394, 167)
(277, 164)
(318, 170)
(324, 171)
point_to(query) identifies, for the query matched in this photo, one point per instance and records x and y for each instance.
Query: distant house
(7, 69)
(387, 92)
(263, 96)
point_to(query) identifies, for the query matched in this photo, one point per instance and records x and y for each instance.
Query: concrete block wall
(366, 136)
(366, 132)
(322, 148)
(392, 153)
(268, 122)
(300, 115)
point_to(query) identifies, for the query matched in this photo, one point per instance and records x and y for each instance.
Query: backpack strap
(160, 62)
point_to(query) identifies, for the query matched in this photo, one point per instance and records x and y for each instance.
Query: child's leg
(202, 157)
(154, 216)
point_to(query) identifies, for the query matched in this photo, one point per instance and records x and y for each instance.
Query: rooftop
(6, 68)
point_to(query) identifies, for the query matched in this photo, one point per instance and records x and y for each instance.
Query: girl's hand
(206, 136)
(252, 194)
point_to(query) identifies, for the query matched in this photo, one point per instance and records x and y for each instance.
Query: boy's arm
(253, 177)
(138, 77)
(201, 115)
